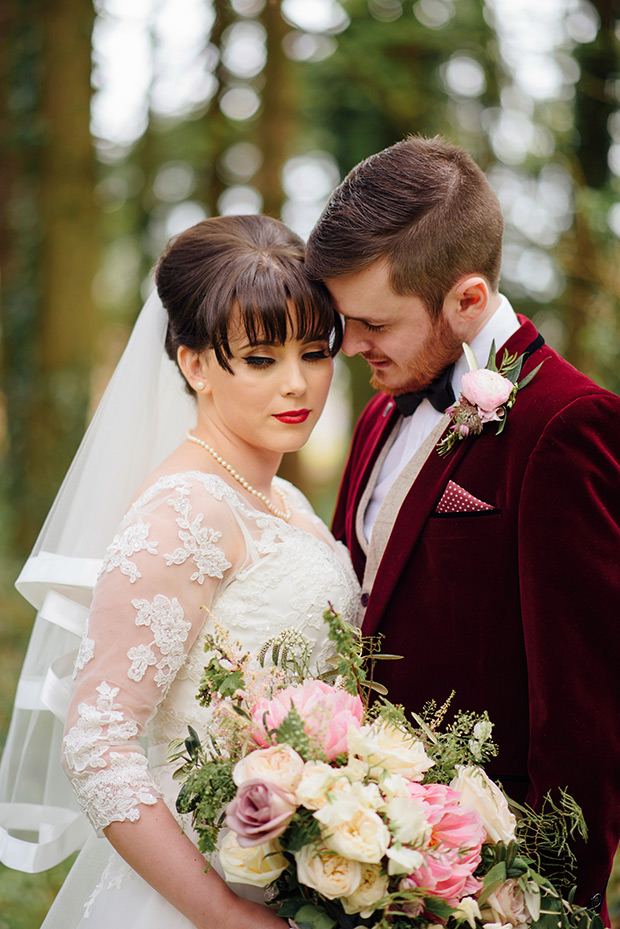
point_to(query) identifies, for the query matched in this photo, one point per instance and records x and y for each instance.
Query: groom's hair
(424, 206)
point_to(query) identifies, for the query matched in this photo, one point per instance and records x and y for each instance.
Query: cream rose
(257, 865)
(386, 746)
(331, 875)
(356, 833)
(279, 765)
(479, 793)
(373, 887)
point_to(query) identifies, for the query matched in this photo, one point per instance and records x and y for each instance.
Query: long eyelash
(371, 327)
(256, 361)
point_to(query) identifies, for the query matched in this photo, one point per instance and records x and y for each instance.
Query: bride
(211, 526)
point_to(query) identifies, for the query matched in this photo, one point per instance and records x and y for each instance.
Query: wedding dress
(189, 542)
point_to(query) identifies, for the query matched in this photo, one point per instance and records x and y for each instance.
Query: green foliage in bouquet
(207, 787)
(251, 702)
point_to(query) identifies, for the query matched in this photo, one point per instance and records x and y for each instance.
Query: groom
(494, 570)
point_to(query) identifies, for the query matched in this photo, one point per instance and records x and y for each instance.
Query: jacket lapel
(373, 443)
(424, 495)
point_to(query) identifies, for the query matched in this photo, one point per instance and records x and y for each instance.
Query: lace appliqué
(114, 874)
(85, 653)
(133, 539)
(111, 793)
(170, 631)
(199, 543)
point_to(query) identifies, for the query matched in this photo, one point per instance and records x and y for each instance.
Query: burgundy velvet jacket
(517, 607)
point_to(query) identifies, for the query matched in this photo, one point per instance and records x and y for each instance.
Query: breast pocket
(463, 525)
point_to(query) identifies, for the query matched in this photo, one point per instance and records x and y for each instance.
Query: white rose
(479, 793)
(468, 911)
(330, 874)
(407, 821)
(511, 906)
(403, 860)
(386, 746)
(482, 730)
(279, 765)
(373, 887)
(355, 769)
(355, 832)
(394, 785)
(257, 865)
(316, 778)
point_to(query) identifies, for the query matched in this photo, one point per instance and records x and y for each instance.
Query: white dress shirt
(415, 428)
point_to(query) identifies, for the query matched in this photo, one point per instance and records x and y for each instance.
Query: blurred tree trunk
(275, 136)
(216, 127)
(591, 297)
(277, 128)
(49, 222)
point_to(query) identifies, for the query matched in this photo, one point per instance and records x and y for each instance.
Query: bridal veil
(142, 417)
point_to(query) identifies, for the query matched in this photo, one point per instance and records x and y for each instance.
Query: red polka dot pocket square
(456, 499)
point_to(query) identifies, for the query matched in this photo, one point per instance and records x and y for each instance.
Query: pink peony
(487, 390)
(452, 825)
(258, 813)
(453, 849)
(326, 712)
(446, 875)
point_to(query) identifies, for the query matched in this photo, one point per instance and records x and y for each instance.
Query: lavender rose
(259, 812)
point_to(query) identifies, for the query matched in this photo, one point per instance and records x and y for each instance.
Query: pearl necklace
(281, 514)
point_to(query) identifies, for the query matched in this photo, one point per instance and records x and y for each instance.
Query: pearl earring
(200, 385)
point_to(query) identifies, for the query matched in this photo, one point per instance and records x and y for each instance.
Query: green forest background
(262, 106)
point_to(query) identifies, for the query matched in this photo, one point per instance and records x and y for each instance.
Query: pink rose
(258, 813)
(487, 390)
(326, 712)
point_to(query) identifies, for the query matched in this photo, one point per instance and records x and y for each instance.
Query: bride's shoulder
(200, 488)
(297, 500)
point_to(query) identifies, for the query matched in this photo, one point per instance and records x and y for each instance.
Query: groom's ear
(194, 368)
(466, 301)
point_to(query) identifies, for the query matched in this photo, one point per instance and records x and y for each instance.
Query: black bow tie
(439, 394)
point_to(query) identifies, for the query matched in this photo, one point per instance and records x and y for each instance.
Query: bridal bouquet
(352, 815)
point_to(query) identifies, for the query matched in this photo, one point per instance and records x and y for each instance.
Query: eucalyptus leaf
(472, 361)
(378, 688)
(528, 377)
(491, 365)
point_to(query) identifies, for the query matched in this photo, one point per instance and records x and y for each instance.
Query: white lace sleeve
(174, 550)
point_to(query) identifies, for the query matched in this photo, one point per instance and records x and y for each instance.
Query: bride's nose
(293, 381)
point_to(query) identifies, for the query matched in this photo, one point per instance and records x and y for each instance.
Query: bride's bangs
(277, 307)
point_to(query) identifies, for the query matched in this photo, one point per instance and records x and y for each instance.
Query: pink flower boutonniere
(486, 396)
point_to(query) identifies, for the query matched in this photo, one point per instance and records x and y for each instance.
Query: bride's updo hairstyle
(241, 268)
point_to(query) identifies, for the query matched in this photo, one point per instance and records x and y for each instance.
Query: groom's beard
(440, 349)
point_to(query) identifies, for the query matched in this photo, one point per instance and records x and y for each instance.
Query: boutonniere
(486, 396)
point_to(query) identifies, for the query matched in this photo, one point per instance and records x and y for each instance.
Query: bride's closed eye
(259, 361)
(318, 354)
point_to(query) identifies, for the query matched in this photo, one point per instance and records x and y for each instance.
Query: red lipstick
(291, 417)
